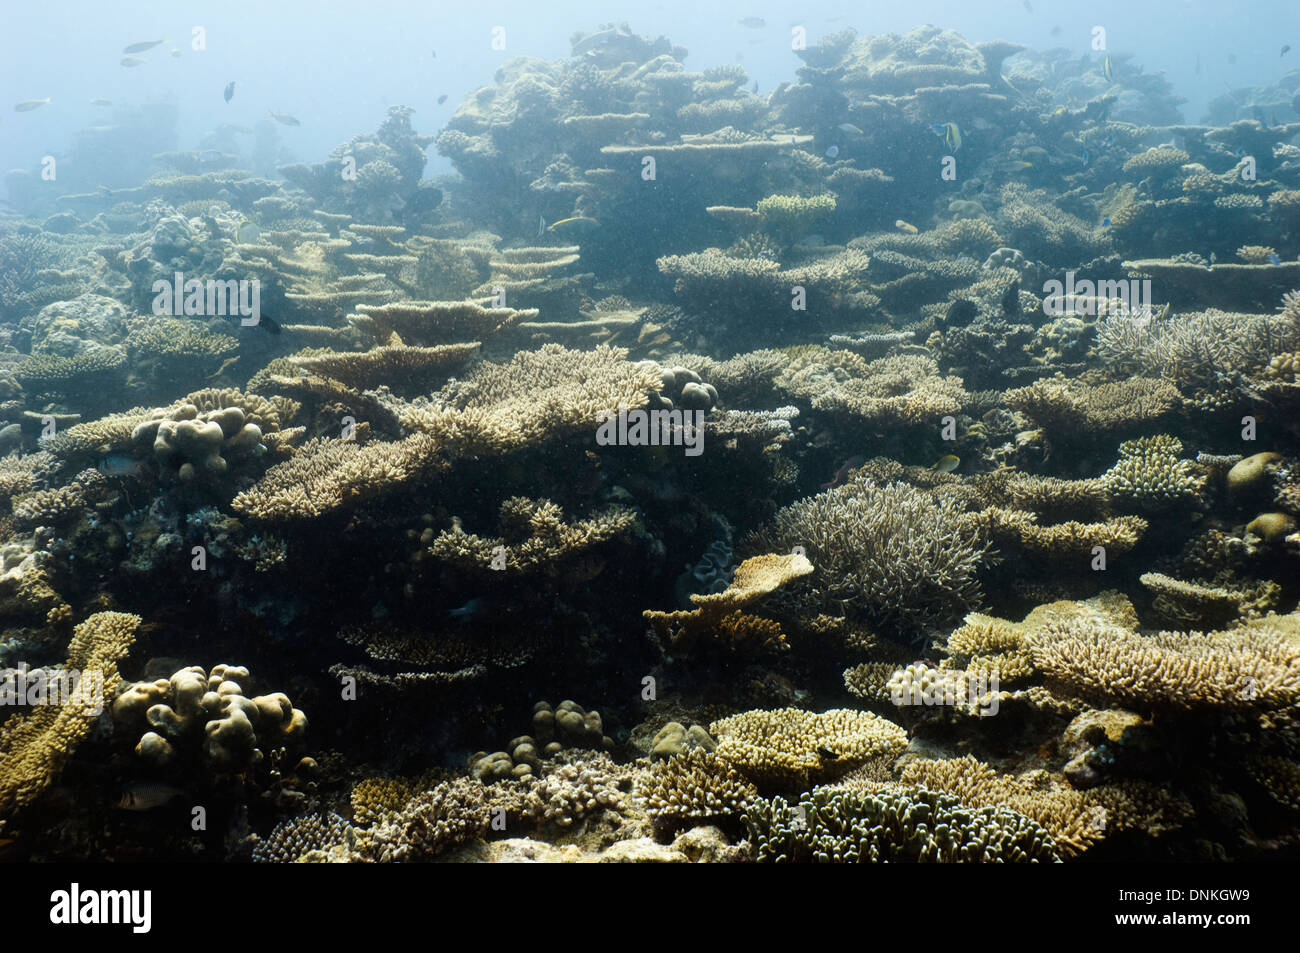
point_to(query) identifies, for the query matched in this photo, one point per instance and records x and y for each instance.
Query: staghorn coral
(1075, 820)
(293, 838)
(1249, 669)
(36, 745)
(891, 554)
(1150, 476)
(693, 788)
(892, 826)
(449, 815)
(793, 748)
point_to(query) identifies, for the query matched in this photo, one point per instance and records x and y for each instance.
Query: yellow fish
(947, 463)
(903, 226)
(1105, 69)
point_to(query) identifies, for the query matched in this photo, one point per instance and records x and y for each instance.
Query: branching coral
(891, 554)
(793, 748)
(35, 746)
(903, 826)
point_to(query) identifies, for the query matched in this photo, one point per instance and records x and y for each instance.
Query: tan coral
(790, 747)
(35, 746)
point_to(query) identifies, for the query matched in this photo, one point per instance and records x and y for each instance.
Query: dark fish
(842, 473)
(826, 753)
(267, 324)
(1056, 31)
(960, 313)
(1029, 6)
(1232, 59)
(434, 54)
(145, 796)
(442, 99)
(1286, 48)
(229, 91)
(466, 612)
(1011, 300)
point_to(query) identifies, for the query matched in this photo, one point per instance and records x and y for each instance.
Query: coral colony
(696, 474)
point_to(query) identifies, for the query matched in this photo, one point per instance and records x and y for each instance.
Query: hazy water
(337, 64)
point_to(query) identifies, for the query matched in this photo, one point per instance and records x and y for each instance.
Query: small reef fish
(129, 61)
(1056, 31)
(1232, 59)
(843, 472)
(541, 225)
(176, 53)
(1286, 48)
(100, 102)
(27, 105)
(949, 132)
(442, 99)
(575, 225)
(1029, 6)
(247, 233)
(850, 129)
(1273, 259)
(1106, 70)
(120, 465)
(600, 40)
(283, 119)
(752, 23)
(229, 92)
(466, 612)
(1084, 156)
(832, 152)
(141, 47)
(907, 227)
(947, 463)
(1105, 222)
(146, 795)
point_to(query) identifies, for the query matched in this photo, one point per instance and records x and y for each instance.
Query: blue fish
(1273, 259)
(1084, 157)
(832, 152)
(1105, 222)
(1108, 141)
(466, 612)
